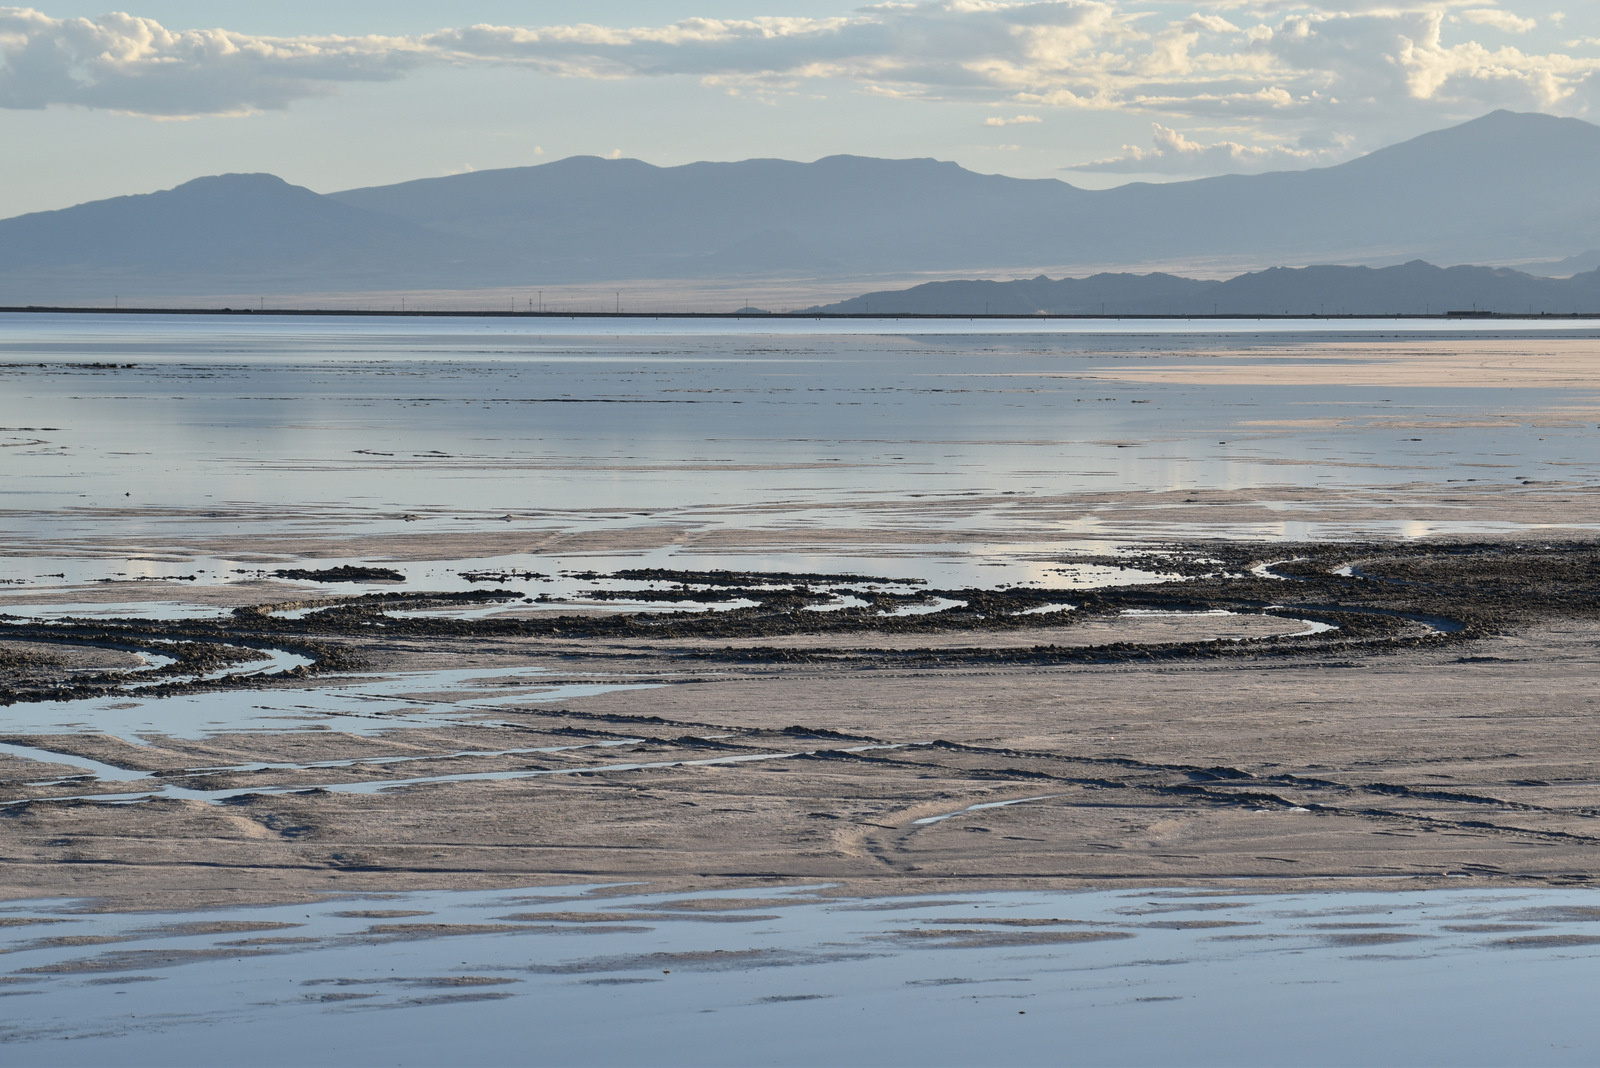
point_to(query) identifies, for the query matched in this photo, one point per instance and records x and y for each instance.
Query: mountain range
(1503, 188)
(1415, 288)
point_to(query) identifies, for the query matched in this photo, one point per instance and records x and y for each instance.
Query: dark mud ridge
(1375, 597)
(347, 573)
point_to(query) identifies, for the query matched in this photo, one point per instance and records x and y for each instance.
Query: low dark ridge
(346, 573)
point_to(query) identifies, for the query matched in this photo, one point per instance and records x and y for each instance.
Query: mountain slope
(230, 233)
(624, 218)
(1503, 186)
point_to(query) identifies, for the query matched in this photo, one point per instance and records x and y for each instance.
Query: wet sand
(1438, 726)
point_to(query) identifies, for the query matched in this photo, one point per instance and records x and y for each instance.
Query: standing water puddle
(789, 977)
(360, 704)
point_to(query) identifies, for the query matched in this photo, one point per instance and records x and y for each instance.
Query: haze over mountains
(1503, 188)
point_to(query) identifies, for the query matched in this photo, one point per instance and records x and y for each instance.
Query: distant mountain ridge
(1415, 288)
(232, 232)
(623, 218)
(1500, 188)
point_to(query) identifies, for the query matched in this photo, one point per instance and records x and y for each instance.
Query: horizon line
(412, 313)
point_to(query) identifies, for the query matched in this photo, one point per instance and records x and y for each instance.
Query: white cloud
(1500, 20)
(1176, 154)
(123, 63)
(1296, 63)
(1506, 75)
(1015, 120)
(930, 48)
(1211, 23)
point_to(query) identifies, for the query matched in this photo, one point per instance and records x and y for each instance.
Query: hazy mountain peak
(236, 181)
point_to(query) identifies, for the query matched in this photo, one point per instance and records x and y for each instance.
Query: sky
(339, 94)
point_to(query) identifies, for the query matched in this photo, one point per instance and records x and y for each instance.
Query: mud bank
(1365, 596)
(1306, 715)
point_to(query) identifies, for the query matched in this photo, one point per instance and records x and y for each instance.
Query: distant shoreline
(413, 313)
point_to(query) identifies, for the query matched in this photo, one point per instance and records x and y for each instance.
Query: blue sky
(1097, 92)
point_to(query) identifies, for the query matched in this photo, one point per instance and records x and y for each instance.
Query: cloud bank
(1236, 64)
(124, 63)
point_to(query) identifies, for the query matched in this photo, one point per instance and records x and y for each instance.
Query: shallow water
(578, 976)
(46, 585)
(147, 787)
(307, 425)
(352, 704)
(365, 705)
(55, 609)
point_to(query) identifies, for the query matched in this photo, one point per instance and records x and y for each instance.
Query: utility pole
(619, 302)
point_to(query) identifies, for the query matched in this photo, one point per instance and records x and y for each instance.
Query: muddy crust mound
(345, 573)
(1369, 598)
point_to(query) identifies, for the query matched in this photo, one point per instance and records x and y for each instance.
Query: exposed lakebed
(426, 611)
